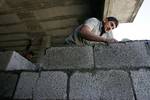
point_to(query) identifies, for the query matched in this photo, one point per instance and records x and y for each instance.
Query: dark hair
(113, 19)
(28, 52)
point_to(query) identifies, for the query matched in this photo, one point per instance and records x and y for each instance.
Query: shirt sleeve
(109, 35)
(91, 23)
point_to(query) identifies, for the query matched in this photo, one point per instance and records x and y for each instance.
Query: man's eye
(112, 25)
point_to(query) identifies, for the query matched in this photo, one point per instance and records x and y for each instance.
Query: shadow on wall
(96, 9)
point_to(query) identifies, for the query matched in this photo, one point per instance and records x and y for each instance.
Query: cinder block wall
(118, 71)
(41, 23)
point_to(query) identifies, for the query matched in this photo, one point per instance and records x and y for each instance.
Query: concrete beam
(124, 10)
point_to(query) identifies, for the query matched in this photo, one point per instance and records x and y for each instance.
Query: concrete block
(13, 28)
(122, 55)
(4, 7)
(58, 40)
(61, 11)
(10, 37)
(26, 85)
(7, 44)
(11, 60)
(60, 32)
(141, 82)
(9, 19)
(101, 85)
(147, 45)
(8, 82)
(67, 58)
(42, 4)
(55, 24)
(20, 48)
(51, 86)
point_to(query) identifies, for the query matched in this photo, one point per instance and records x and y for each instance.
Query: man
(28, 55)
(93, 31)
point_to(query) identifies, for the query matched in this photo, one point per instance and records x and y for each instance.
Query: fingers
(114, 40)
(111, 40)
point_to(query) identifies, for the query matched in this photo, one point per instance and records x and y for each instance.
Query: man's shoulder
(93, 19)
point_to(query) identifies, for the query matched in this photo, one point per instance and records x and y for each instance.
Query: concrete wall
(46, 23)
(25, 20)
(118, 71)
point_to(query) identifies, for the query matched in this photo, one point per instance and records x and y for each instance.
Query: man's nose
(110, 28)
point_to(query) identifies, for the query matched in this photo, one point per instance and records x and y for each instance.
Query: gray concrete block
(56, 24)
(67, 57)
(11, 60)
(60, 32)
(61, 11)
(13, 28)
(51, 86)
(141, 82)
(9, 19)
(7, 44)
(13, 37)
(147, 45)
(26, 85)
(122, 55)
(101, 85)
(8, 82)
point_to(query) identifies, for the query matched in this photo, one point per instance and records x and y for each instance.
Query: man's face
(109, 26)
(29, 56)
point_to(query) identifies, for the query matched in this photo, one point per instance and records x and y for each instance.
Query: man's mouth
(107, 30)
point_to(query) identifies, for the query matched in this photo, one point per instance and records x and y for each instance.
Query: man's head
(110, 23)
(28, 55)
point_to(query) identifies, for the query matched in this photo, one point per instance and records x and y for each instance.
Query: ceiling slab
(124, 10)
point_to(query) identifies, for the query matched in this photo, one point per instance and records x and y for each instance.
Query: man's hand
(87, 34)
(111, 40)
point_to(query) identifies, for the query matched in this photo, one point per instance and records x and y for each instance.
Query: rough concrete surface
(68, 57)
(102, 85)
(51, 86)
(141, 82)
(8, 82)
(26, 85)
(11, 60)
(122, 55)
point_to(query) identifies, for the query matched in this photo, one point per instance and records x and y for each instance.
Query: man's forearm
(88, 35)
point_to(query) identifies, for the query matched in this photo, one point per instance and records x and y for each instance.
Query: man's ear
(105, 20)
